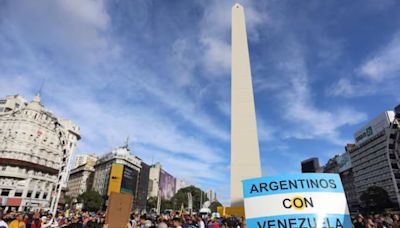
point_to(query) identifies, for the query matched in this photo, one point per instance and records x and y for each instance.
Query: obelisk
(245, 155)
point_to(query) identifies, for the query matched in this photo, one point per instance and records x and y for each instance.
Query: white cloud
(215, 33)
(309, 121)
(266, 132)
(110, 122)
(217, 55)
(345, 88)
(75, 31)
(184, 62)
(385, 63)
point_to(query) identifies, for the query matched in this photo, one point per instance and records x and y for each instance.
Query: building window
(44, 195)
(5, 192)
(37, 195)
(18, 193)
(29, 194)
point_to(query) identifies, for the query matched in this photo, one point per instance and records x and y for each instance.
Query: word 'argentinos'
(302, 223)
(293, 184)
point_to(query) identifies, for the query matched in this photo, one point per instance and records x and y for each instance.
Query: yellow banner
(114, 184)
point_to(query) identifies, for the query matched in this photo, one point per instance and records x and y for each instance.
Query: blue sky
(159, 72)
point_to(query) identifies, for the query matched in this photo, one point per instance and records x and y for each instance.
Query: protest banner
(119, 209)
(297, 200)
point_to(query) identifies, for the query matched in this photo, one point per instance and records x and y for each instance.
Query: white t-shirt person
(3, 224)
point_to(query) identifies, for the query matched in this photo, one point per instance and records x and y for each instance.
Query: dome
(35, 104)
(121, 151)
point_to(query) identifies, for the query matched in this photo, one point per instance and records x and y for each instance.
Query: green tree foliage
(151, 203)
(68, 200)
(91, 200)
(214, 205)
(181, 197)
(375, 200)
(166, 204)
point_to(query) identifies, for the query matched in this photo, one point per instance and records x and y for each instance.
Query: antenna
(127, 142)
(41, 87)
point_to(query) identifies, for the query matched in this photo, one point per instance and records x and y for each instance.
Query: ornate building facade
(35, 149)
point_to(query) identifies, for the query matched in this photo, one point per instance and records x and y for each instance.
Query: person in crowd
(3, 224)
(35, 222)
(200, 222)
(18, 222)
(176, 222)
(396, 221)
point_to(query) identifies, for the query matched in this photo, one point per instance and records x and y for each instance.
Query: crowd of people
(41, 219)
(78, 219)
(376, 221)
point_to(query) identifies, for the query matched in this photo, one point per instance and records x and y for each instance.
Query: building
(341, 164)
(161, 182)
(245, 154)
(81, 177)
(180, 184)
(375, 156)
(143, 188)
(212, 195)
(154, 180)
(35, 150)
(311, 165)
(80, 180)
(132, 179)
(84, 159)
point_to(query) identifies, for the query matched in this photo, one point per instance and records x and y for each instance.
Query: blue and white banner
(300, 200)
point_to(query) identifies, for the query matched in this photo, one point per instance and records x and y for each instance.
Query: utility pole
(64, 167)
(201, 199)
(159, 202)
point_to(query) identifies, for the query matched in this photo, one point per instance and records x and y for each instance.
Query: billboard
(129, 180)
(373, 127)
(167, 185)
(114, 183)
(122, 179)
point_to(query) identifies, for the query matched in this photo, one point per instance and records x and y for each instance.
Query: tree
(165, 204)
(91, 200)
(68, 200)
(152, 203)
(375, 200)
(181, 197)
(214, 205)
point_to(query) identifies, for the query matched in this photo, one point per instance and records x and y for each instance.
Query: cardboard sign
(119, 209)
(298, 200)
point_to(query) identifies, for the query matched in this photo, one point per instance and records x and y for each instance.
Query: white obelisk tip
(237, 5)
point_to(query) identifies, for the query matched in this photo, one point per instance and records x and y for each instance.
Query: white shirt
(202, 225)
(2, 223)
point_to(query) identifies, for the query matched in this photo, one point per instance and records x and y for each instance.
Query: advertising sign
(129, 180)
(167, 185)
(297, 200)
(114, 183)
(373, 127)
